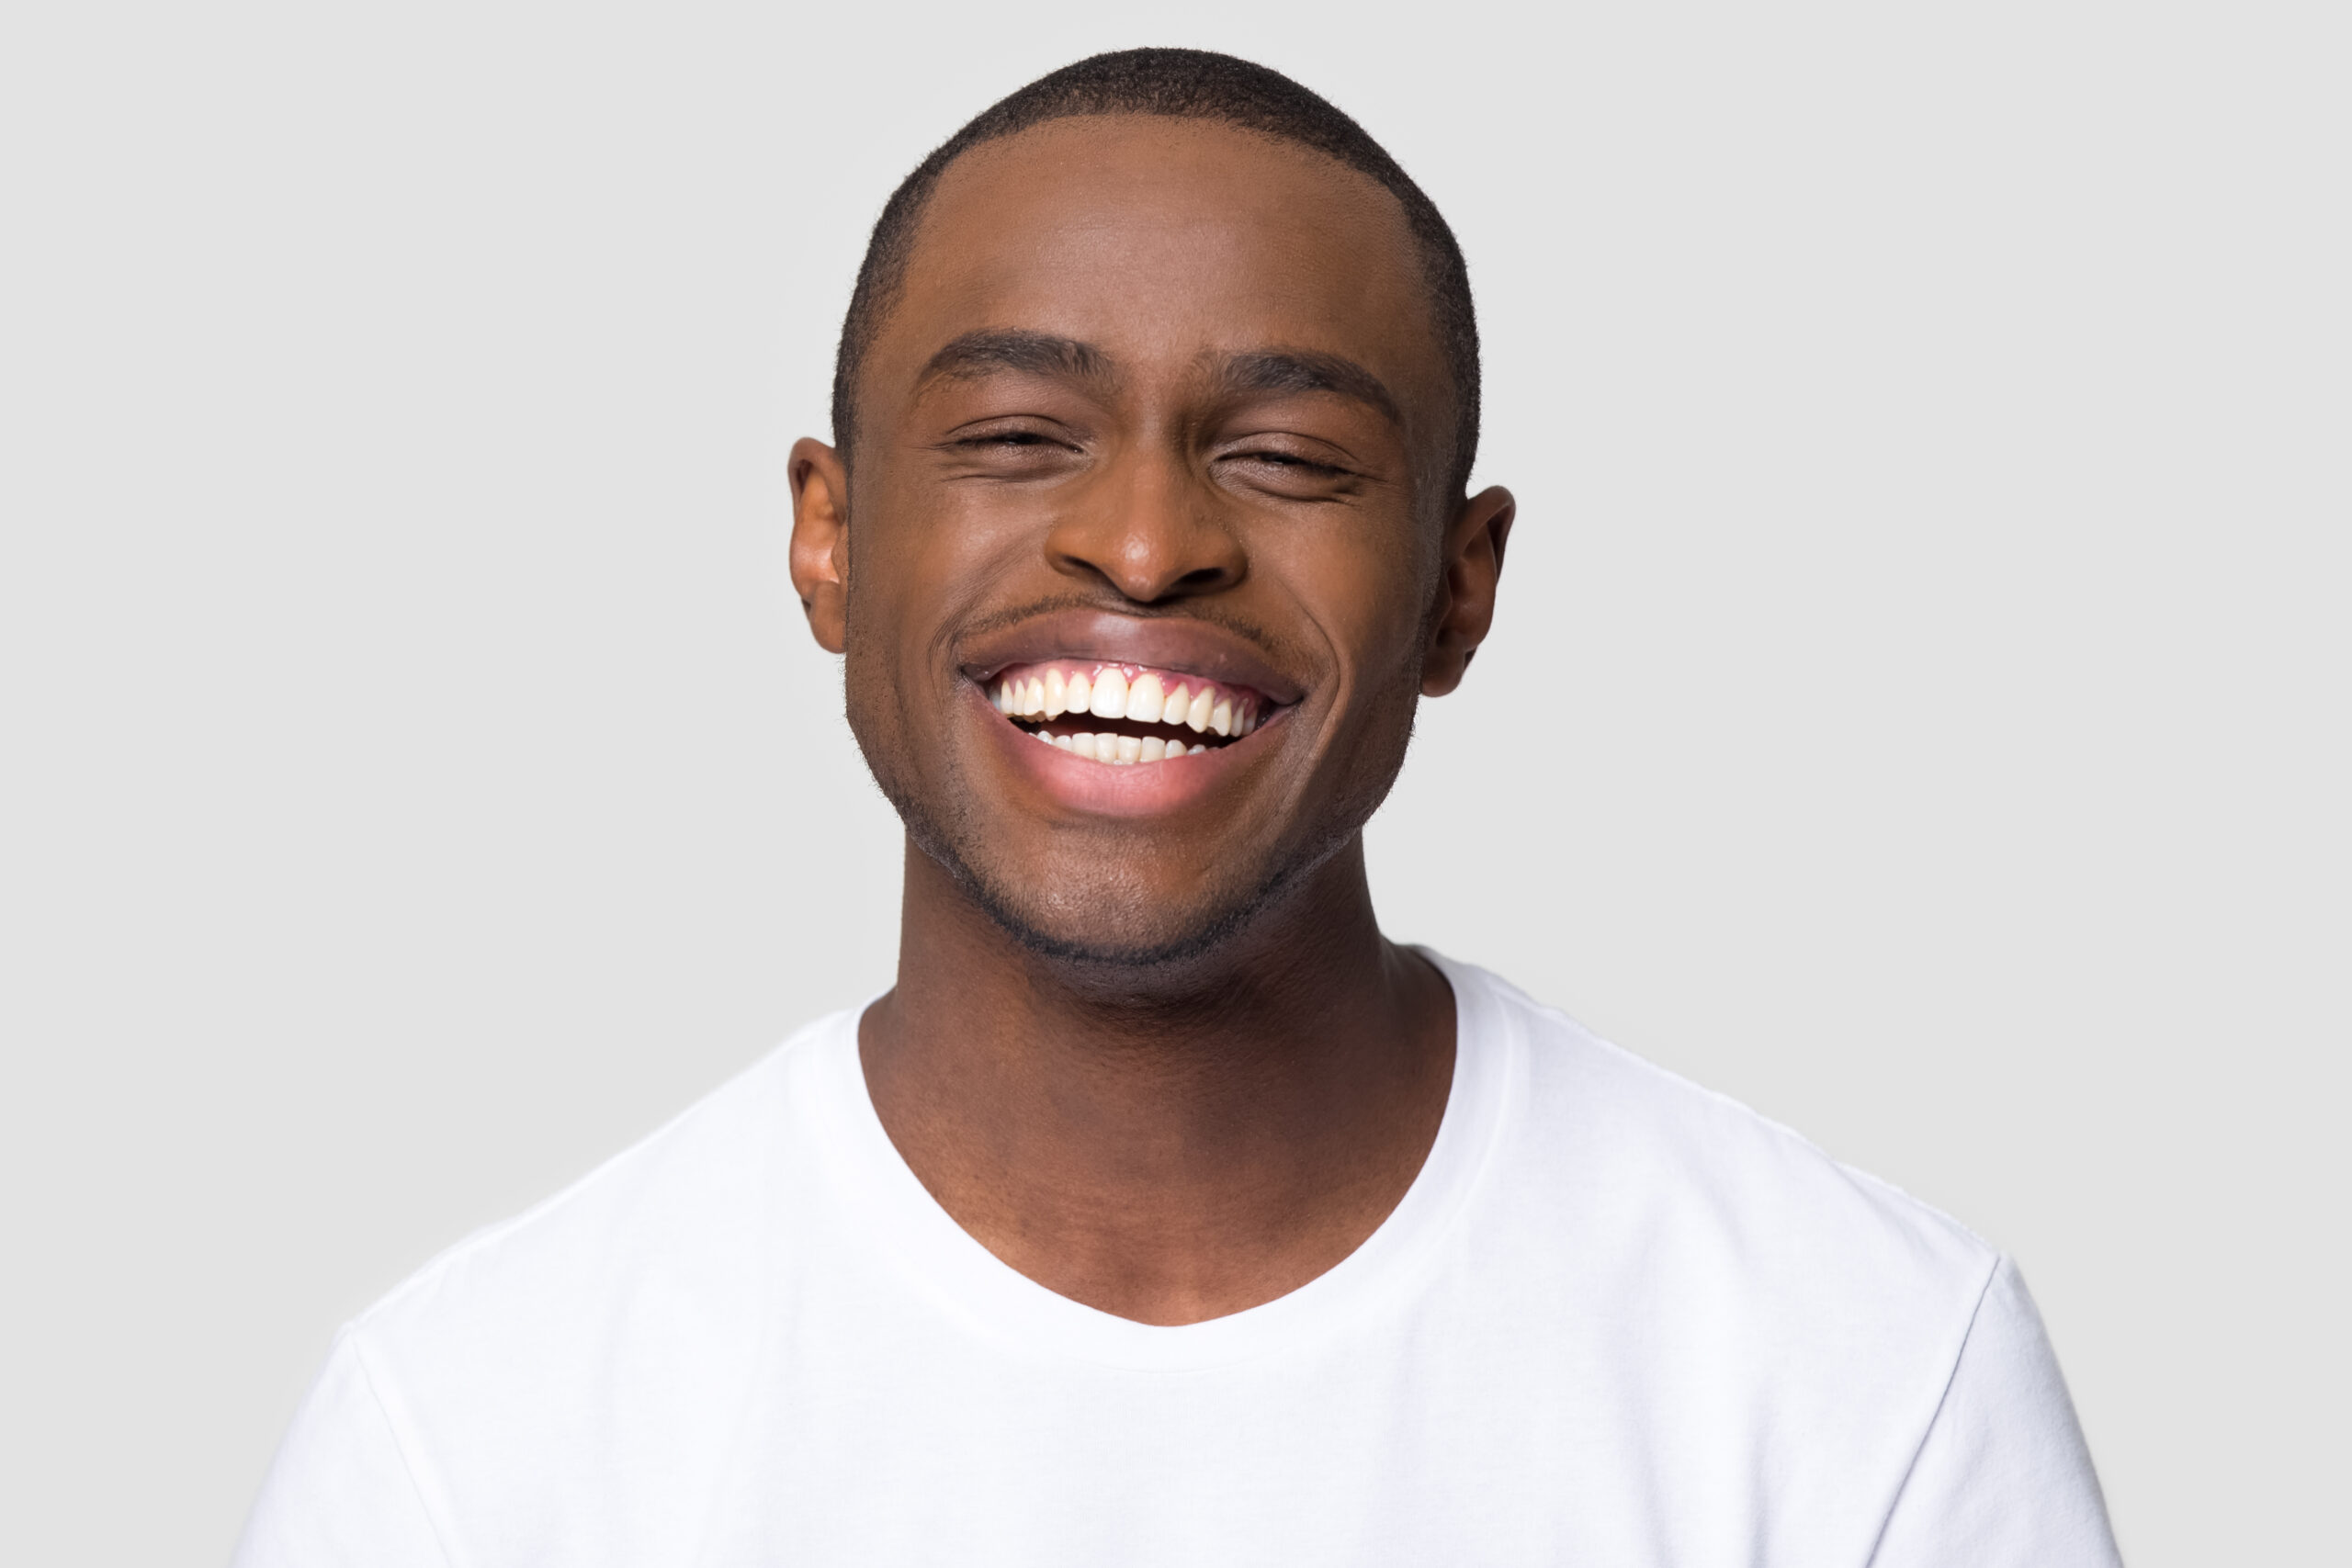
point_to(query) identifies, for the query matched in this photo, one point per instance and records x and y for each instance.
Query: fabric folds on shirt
(1617, 1319)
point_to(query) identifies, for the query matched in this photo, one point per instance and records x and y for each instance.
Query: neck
(1173, 1142)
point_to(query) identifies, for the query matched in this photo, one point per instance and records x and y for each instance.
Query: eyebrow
(991, 349)
(1273, 370)
(1304, 370)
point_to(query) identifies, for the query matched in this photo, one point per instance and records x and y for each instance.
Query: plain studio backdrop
(1918, 706)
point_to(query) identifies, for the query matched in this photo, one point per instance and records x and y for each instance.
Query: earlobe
(1466, 592)
(821, 540)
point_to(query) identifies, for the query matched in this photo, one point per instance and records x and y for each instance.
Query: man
(1163, 1211)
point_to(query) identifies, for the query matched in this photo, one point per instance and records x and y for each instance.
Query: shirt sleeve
(340, 1494)
(2003, 1479)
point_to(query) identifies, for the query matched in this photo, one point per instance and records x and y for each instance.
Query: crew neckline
(900, 1215)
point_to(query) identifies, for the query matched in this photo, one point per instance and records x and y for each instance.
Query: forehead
(1163, 242)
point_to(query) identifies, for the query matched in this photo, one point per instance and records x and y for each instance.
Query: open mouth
(1124, 714)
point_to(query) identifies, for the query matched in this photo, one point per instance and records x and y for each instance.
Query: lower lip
(1114, 789)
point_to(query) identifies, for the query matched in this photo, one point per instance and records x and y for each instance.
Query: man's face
(1140, 576)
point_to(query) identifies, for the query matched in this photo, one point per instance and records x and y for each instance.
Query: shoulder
(1710, 1280)
(697, 1217)
(592, 1334)
(1652, 1189)
(1593, 1108)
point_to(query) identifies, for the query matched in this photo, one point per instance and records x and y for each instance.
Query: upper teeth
(1145, 699)
(1141, 696)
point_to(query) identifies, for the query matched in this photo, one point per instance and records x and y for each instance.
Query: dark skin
(1165, 380)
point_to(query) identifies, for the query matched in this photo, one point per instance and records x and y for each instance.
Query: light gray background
(1918, 706)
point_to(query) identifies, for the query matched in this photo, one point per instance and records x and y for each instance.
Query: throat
(1169, 1186)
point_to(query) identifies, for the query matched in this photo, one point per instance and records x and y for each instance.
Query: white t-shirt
(1617, 1320)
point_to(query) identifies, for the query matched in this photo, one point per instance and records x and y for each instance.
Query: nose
(1150, 529)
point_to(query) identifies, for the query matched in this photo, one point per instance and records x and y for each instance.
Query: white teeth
(1120, 751)
(1106, 693)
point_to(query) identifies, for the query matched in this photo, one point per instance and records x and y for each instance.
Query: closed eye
(1018, 451)
(1289, 461)
(1289, 475)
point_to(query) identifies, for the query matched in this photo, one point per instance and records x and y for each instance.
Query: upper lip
(1179, 644)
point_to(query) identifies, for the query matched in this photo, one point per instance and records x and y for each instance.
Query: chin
(1112, 923)
(1112, 931)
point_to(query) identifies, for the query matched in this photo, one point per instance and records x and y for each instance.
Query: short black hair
(1187, 84)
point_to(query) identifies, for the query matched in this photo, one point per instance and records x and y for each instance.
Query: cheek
(906, 567)
(869, 699)
(929, 550)
(917, 566)
(1366, 591)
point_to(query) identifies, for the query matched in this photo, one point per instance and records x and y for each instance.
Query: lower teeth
(1118, 749)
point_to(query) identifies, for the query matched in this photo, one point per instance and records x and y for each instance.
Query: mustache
(1248, 630)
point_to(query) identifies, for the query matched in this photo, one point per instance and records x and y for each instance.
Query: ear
(1466, 594)
(820, 539)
